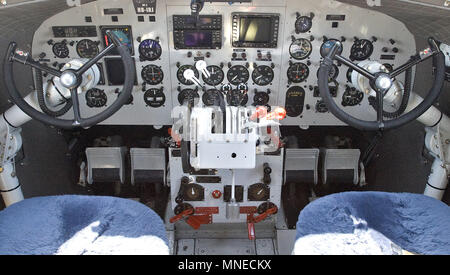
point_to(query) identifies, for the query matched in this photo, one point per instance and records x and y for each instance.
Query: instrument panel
(266, 52)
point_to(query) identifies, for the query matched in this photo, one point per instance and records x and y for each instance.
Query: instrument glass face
(300, 49)
(303, 24)
(211, 97)
(87, 48)
(262, 75)
(216, 75)
(154, 98)
(150, 49)
(96, 98)
(180, 74)
(238, 74)
(60, 50)
(361, 50)
(152, 74)
(298, 72)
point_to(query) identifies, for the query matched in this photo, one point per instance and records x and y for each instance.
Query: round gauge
(361, 50)
(194, 192)
(333, 74)
(188, 95)
(352, 97)
(263, 75)
(60, 50)
(321, 107)
(87, 48)
(150, 49)
(300, 49)
(327, 46)
(303, 24)
(211, 97)
(238, 74)
(260, 99)
(349, 74)
(217, 75)
(180, 74)
(96, 98)
(154, 98)
(258, 192)
(236, 98)
(298, 72)
(152, 74)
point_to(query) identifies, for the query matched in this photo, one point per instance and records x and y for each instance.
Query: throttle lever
(251, 220)
(265, 215)
(201, 67)
(183, 215)
(190, 75)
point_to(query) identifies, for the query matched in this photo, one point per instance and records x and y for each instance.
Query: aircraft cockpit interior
(225, 127)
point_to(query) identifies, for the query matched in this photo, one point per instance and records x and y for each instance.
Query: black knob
(355, 38)
(72, 43)
(269, 56)
(324, 38)
(208, 54)
(54, 64)
(374, 39)
(42, 55)
(244, 55)
(395, 50)
(312, 15)
(343, 39)
(50, 42)
(189, 54)
(247, 65)
(392, 41)
(293, 38)
(272, 65)
(297, 14)
(308, 63)
(234, 55)
(267, 169)
(139, 39)
(385, 49)
(178, 65)
(311, 38)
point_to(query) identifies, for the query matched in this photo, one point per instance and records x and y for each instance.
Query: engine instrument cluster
(260, 53)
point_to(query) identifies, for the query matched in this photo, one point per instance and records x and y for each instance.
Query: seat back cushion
(81, 225)
(374, 223)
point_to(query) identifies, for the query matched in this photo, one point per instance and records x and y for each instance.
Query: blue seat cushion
(81, 225)
(415, 223)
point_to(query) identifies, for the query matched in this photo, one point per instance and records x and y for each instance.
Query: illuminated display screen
(198, 39)
(255, 29)
(124, 34)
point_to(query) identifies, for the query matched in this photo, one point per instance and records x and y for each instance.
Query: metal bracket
(9, 145)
